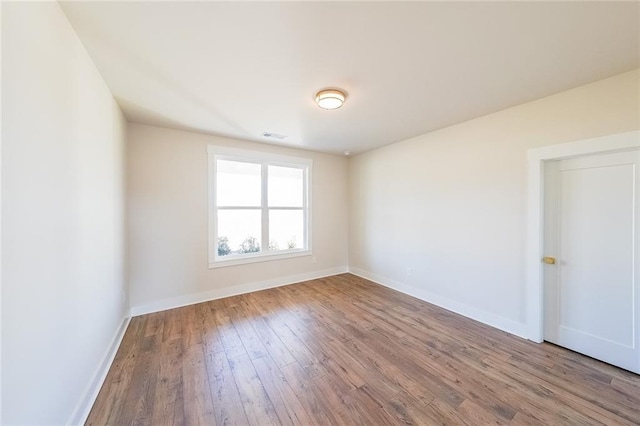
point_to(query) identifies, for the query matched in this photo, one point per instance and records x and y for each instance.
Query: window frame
(216, 153)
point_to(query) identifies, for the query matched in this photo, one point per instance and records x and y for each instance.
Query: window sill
(242, 260)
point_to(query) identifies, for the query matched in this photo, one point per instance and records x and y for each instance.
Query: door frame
(535, 218)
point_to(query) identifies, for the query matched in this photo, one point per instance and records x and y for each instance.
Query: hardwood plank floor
(345, 351)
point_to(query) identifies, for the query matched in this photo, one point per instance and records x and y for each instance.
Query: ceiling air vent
(274, 135)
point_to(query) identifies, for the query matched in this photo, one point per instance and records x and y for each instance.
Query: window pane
(285, 186)
(239, 231)
(238, 184)
(286, 229)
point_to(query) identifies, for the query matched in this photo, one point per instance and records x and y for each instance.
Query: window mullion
(265, 208)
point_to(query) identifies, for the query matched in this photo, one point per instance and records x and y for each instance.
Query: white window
(259, 206)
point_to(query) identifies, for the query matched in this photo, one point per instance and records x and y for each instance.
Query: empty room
(320, 213)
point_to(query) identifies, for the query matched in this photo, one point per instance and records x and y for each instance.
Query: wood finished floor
(345, 351)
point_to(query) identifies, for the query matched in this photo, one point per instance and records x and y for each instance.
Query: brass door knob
(549, 260)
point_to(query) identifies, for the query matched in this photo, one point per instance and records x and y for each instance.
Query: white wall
(168, 208)
(451, 204)
(64, 278)
(0, 211)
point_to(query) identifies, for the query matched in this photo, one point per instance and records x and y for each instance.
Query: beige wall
(451, 204)
(63, 276)
(168, 225)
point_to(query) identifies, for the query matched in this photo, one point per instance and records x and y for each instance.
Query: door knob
(549, 260)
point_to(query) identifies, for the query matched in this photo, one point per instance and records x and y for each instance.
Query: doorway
(583, 287)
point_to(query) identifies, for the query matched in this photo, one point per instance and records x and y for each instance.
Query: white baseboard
(191, 299)
(496, 321)
(82, 410)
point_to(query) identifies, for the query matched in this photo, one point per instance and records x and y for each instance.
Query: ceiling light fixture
(330, 98)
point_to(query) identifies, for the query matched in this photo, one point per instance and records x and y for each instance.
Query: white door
(592, 231)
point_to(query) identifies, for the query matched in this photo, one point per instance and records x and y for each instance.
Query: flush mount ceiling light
(330, 98)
